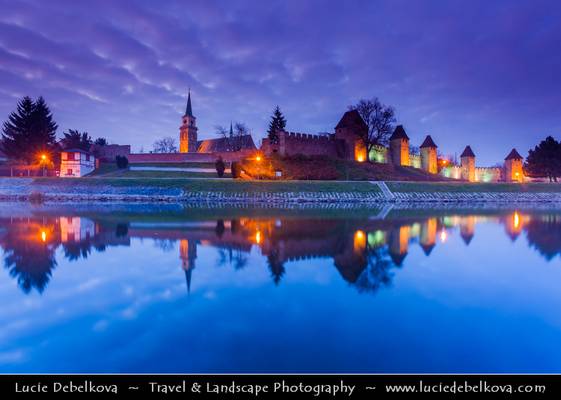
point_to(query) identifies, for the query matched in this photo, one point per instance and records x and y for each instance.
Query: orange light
(516, 220)
(258, 158)
(43, 236)
(443, 236)
(258, 237)
(360, 158)
(359, 242)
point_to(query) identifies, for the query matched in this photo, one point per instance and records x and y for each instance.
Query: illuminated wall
(429, 160)
(399, 149)
(414, 160)
(379, 154)
(513, 171)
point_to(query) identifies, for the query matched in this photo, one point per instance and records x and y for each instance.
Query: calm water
(141, 289)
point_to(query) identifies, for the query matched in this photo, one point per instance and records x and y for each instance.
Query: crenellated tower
(188, 130)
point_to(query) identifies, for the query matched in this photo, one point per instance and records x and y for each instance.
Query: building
(513, 167)
(75, 163)
(188, 142)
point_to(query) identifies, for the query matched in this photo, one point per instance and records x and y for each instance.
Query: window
(87, 157)
(69, 172)
(77, 156)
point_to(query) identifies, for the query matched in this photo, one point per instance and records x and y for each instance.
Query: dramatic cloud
(483, 73)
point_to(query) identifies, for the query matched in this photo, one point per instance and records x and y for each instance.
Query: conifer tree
(278, 123)
(29, 131)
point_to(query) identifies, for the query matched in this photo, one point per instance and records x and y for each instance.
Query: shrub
(236, 169)
(220, 167)
(36, 197)
(122, 162)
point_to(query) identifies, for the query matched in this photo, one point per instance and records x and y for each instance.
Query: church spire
(189, 111)
(231, 130)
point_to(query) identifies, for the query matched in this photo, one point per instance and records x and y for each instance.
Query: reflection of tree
(166, 245)
(74, 250)
(28, 260)
(232, 256)
(545, 235)
(275, 266)
(377, 273)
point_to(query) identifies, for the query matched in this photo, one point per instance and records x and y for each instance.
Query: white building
(75, 163)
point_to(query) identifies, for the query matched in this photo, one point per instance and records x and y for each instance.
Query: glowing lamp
(443, 236)
(258, 158)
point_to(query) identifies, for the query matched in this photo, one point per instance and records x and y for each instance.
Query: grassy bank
(463, 187)
(215, 185)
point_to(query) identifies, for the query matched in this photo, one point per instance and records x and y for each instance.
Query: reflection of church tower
(399, 243)
(188, 130)
(188, 254)
(467, 228)
(428, 235)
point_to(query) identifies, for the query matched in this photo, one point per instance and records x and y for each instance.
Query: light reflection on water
(276, 290)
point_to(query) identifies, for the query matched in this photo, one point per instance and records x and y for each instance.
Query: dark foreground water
(168, 289)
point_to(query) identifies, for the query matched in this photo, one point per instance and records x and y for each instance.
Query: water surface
(173, 289)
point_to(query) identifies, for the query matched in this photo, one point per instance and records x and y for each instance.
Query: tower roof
(351, 119)
(468, 152)
(189, 110)
(399, 133)
(231, 130)
(513, 155)
(428, 142)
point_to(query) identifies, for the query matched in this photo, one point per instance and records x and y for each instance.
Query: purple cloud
(479, 73)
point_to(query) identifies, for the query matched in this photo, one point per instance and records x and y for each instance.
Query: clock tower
(188, 130)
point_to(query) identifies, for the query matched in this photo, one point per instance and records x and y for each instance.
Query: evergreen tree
(101, 141)
(29, 131)
(545, 159)
(278, 123)
(73, 139)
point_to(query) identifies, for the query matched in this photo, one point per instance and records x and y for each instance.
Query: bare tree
(234, 136)
(165, 145)
(380, 120)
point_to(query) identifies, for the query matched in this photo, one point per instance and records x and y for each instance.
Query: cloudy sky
(479, 72)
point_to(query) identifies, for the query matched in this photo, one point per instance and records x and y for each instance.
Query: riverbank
(192, 190)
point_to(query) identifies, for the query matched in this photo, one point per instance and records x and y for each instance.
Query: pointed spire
(189, 110)
(188, 273)
(231, 130)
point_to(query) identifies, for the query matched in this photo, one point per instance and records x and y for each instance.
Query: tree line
(30, 131)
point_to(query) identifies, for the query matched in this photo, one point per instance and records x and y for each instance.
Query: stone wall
(109, 152)
(291, 144)
(481, 174)
(136, 158)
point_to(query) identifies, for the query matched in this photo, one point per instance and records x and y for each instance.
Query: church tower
(188, 130)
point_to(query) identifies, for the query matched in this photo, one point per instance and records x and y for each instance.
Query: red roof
(468, 152)
(513, 155)
(428, 142)
(352, 119)
(399, 133)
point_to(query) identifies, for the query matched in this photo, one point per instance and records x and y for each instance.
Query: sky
(481, 73)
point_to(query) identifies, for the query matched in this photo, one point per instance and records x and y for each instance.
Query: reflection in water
(364, 251)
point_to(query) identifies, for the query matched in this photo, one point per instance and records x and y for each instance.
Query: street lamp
(44, 162)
